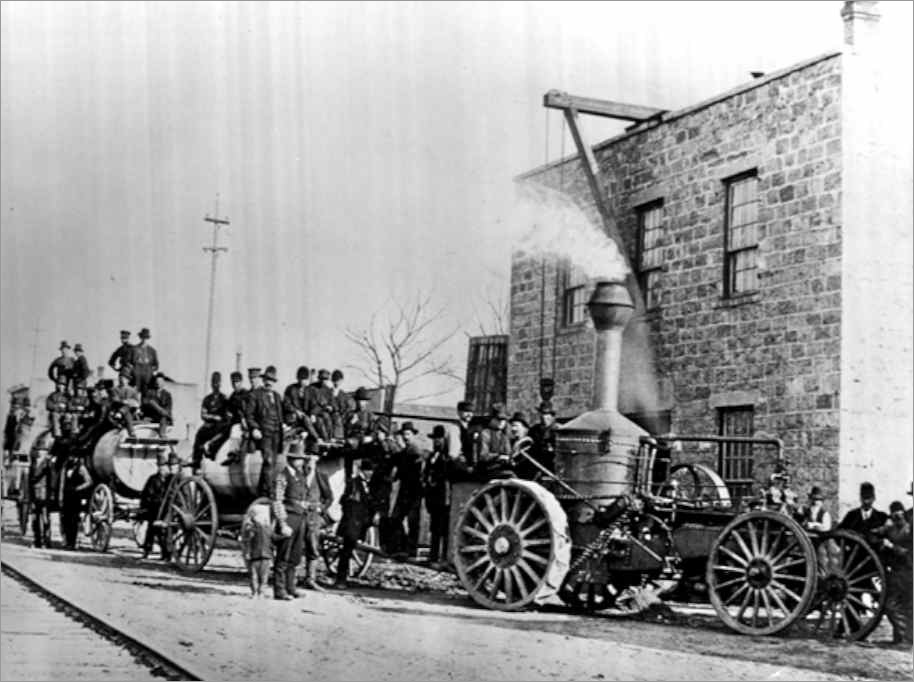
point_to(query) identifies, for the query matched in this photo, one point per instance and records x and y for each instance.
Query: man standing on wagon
(120, 358)
(145, 362)
(264, 418)
(61, 367)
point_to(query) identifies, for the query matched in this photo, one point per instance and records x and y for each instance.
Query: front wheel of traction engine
(511, 545)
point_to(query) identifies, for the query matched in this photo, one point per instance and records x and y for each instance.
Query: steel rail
(159, 663)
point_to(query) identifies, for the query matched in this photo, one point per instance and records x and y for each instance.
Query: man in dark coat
(120, 358)
(543, 436)
(264, 419)
(151, 500)
(463, 466)
(41, 493)
(145, 362)
(436, 489)
(214, 417)
(865, 518)
(361, 510)
(495, 448)
(157, 405)
(78, 407)
(61, 367)
(896, 549)
(408, 506)
(234, 411)
(81, 370)
(57, 404)
(20, 407)
(342, 404)
(320, 405)
(294, 407)
(75, 488)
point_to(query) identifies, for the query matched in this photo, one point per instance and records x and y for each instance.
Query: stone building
(770, 229)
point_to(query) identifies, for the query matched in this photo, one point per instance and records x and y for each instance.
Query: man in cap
(342, 404)
(125, 400)
(815, 516)
(320, 405)
(408, 505)
(240, 399)
(61, 367)
(214, 417)
(57, 404)
(151, 502)
(157, 404)
(294, 404)
(465, 463)
(81, 371)
(264, 419)
(120, 358)
(124, 391)
(362, 429)
(495, 444)
(234, 415)
(437, 490)
(543, 436)
(145, 361)
(865, 518)
(301, 497)
(75, 487)
(897, 550)
(78, 406)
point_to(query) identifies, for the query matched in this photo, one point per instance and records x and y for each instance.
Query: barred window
(574, 301)
(650, 252)
(736, 459)
(741, 240)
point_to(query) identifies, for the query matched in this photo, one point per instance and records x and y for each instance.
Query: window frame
(736, 458)
(645, 273)
(730, 255)
(571, 288)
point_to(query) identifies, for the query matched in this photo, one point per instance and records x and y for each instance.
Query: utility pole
(238, 360)
(214, 251)
(37, 331)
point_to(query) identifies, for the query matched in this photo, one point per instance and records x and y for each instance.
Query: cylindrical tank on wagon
(126, 466)
(596, 453)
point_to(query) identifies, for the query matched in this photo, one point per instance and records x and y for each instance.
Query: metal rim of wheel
(763, 562)
(101, 511)
(511, 545)
(361, 560)
(851, 595)
(192, 523)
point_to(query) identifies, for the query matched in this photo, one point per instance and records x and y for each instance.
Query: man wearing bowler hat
(120, 358)
(61, 367)
(145, 362)
(436, 488)
(408, 506)
(81, 371)
(495, 444)
(264, 419)
(865, 518)
(361, 507)
(294, 408)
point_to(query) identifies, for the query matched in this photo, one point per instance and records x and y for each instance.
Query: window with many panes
(741, 237)
(735, 462)
(650, 251)
(574, 292)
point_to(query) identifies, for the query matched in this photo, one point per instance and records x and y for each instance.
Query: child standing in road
(257, 544)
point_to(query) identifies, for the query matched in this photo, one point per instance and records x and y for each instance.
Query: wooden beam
(555, 99)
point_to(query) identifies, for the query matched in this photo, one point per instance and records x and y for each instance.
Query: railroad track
(159, 663)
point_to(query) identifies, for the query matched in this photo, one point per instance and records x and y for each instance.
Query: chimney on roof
(756, 74)
(861, 19)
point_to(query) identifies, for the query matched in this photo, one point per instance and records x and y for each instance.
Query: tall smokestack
(611, 308)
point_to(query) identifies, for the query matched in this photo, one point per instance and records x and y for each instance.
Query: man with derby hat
(436, 489)
(213, 415)
(61, 367)
(814, 515)
(144, 360)
(75, 486)
(81, 370)
(495, 444)
(120, 358)
(151, 501)
(264, 419)
(865, 518)
(301, 497)
(408, 506)
(294, 407)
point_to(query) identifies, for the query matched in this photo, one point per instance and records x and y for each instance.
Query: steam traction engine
(604, 533)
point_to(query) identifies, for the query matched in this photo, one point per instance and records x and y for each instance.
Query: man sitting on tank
(57, 405)
(495, 450)
(294, 408)
(157, 404)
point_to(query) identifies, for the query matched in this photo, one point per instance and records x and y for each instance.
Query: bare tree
(493, 315)
(400, 347)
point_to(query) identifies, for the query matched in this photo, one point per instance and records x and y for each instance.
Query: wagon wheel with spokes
(761, 573)
(851, 595)
(98, 517)
(512, 544)
(331, 544)
(192, 522)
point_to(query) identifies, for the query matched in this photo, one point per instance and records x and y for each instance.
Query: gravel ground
(407, 622)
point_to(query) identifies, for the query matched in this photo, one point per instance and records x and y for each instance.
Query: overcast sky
(362, 152)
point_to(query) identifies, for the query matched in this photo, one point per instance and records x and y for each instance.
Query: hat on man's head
(323, 375)
(64, 344)
(520, 418)
(408, 426)
(144, 333)
(361, 393)
(816, 493)
(867, 491)
(896, 506)
(18, 388)
(78, 348)
(236, 376)
(546, 408)
(465, 406)
(337, 375)
(269, 374)
(498, 411)
(107, 384)
(215, 376)
(438, 432)
(296, 451)
(124, 332)
(302, 373)
(254, 372)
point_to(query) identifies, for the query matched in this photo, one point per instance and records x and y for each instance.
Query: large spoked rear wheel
(99, 517)
(512, 545)
(851, 594)
(761, 573)
(331, 544)
(192, 522)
